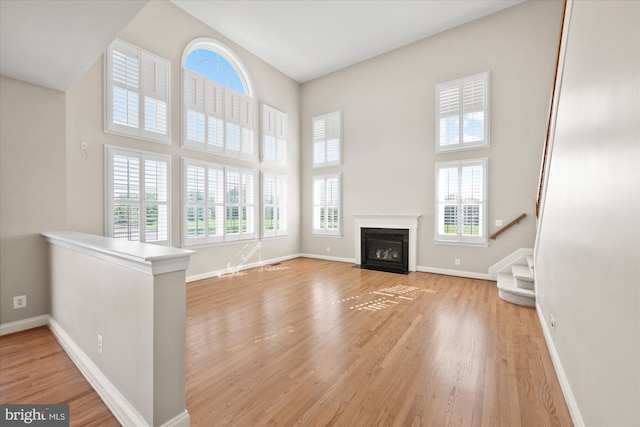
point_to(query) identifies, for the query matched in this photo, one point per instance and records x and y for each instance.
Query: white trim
(24, 324)
(144, 257)
(504, 265)
(329, 258)
(115, 401)
(218, 273)
(181, 420)
(458, 273)
(572, 405)
(406, 221)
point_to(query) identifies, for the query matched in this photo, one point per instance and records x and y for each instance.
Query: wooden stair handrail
(545, 149)
(508, 226)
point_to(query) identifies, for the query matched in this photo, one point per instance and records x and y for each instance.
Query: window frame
(146, 60)
(460, 238)
(143, 203)
(461, 145)
(274, 124)
(225, 236)
(324, 231)
(280, 206)
(206, 101)
(327, 133)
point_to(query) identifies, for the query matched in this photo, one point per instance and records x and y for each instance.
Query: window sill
(469, 244)
(335, 236)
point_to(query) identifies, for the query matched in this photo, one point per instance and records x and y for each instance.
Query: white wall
(588, 254)
(165, 30)
(389, 134)
(32, 192)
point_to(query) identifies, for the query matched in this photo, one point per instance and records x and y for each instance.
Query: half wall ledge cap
(144, 257)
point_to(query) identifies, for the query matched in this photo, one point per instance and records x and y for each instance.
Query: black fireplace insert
(385, 249)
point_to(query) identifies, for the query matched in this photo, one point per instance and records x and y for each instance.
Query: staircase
(517, 285)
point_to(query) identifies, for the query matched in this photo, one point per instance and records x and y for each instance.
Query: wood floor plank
(313, 343)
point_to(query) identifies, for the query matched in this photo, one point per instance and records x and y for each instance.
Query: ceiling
(52, 43)
(308, 39)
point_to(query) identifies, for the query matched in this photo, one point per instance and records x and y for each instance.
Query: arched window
(219, 111)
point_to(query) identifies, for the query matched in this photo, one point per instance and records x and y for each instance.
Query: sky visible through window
(215, 67)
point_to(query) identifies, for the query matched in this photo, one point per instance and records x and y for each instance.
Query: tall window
(462, 113)
(137, 93)
(327, 139)
(219, 112)
(138, 195)
(275, 127)
(274, 204)
(461, 201)
(219, 203)
(327, 204)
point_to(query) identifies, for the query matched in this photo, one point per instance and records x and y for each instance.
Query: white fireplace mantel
(403, 222)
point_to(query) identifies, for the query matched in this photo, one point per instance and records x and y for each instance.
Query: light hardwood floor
(313, 343)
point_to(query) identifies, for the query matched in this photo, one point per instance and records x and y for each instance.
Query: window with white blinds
(219, 113)
(275, 127)
(138, 195)
(461, 201)
(137, 93)
(327, 204)
(327, 139)
(462, 113)
(219, 203)
(274, 204)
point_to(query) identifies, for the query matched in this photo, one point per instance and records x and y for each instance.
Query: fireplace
(385, 249)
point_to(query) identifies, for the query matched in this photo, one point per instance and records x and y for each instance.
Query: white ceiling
(53, 42)
(307, 39)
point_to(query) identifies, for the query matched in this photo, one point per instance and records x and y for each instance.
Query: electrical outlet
(20, 301)
(328, 248)
(99, 343)
(498, 223)
(457, 261)
(552, 323)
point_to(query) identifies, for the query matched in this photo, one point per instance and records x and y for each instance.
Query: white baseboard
(328, 258)
(562, 377)
(459, 273)
(117, 403)
(24, 324)
(182, 420)
(218, 273)
(505, 263)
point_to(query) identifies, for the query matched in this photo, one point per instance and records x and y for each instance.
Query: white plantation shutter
(275, 128)
(274, 204)
(327, 204)
(461, 201)
(193, 110)
(327, 139)
(138, 195)
(219, 203)
(214, 110)
(240, 122)
(462, 113)
(138, 89)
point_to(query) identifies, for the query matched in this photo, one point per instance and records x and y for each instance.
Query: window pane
(269, 218)
(216, 220)
(195, 221)
(233, 220)
(126, 178)
(248, 219)
(155, 115)
(195, 184)
(125, 107)
(333, 150)
(215, 131)
(156, 224)
(448, 184)
(214, 66)
(126, 222)
(155, 181)
(233, 137)
(449, 130)
(472, 183)
(195, 126)
(247, 141)
(319, 154)
(233, 187)
(448, 219)
(472, 220)
(474, 126)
